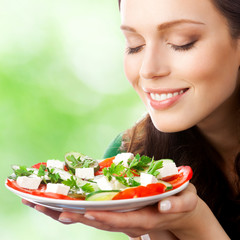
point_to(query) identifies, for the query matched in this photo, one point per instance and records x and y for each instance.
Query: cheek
(214, 69)
(132, 67)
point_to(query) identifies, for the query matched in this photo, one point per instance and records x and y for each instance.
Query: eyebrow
(166, 25)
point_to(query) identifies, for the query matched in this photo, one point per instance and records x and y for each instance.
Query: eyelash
(185, 47)
(134, 50)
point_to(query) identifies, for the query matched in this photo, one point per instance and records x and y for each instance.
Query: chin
(170, 127)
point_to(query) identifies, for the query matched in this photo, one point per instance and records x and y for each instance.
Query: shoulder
(114, 147)
(130, 140)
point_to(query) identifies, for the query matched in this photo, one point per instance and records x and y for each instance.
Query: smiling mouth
(166, 95)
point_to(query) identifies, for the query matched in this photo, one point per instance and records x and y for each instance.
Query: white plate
(80, 206)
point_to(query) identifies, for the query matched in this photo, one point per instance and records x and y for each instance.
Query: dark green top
(114, 147)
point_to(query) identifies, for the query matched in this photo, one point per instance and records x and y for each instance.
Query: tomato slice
(184, 174)
(39, 164)
(141, 191)
(45, 164)
(156, 188)
(106, 162)
(103, 164)
(38, 192)
(128, 193)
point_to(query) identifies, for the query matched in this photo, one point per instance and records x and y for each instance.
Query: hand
(87, 219)
(185, 215)
(163, 235)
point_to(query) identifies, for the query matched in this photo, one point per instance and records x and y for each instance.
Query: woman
(183, 60)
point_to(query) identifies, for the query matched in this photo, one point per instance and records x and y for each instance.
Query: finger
(49, 212)
(88, 219)
(128, 220)
(190, 188)
(27, 203)
(185, 201)
(70, 218)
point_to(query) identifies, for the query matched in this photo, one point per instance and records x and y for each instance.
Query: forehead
(154, 12)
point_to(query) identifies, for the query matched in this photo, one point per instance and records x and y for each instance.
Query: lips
(163, 99)
(166, 95)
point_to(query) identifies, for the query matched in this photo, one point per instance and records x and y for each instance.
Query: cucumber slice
(168, 185)
(93, 185)
(101, 195)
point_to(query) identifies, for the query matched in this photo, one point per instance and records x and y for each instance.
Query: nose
(155, 63)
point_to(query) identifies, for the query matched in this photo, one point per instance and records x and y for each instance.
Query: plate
(81, 206)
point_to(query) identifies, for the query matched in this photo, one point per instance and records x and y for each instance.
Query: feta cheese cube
(85, 173)
(45, 177)
(117, 185)
(35, 171)
(169, 169)
(166, 161)
(123, 157)
(63, 174)
(146, 179)
(29, 182)
(57, 188)
(55, 164)
(103, 183)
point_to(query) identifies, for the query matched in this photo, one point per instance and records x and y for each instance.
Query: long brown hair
(190, 147)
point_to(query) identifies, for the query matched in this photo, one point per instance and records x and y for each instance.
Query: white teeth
(164, 96)
(155, 96)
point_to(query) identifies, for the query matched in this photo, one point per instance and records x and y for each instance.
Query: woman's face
(181, 60)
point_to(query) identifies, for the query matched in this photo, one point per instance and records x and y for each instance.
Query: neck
(222, 130)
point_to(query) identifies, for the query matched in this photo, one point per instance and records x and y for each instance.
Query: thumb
(185, 201)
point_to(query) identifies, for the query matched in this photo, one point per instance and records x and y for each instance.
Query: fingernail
(66, 220)
(89, 217)
(39, 208)
(165, 205)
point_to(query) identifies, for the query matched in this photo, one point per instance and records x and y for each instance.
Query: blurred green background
(62, 88)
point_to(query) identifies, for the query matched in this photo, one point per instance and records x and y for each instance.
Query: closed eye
(134, 50)
(184, 47)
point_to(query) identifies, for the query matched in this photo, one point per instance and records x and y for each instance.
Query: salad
(81, 177)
